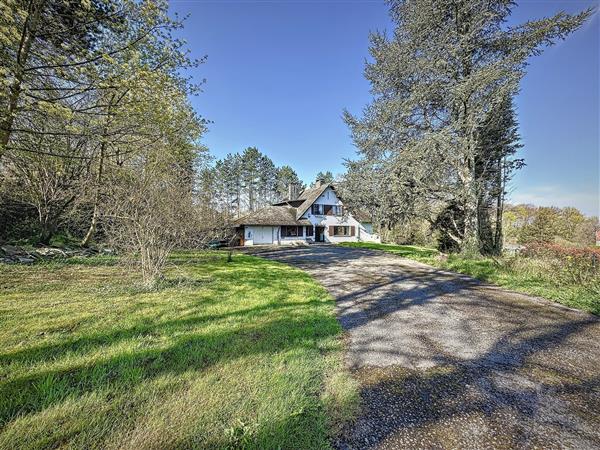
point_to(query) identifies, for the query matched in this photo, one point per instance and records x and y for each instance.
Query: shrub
(569, 265)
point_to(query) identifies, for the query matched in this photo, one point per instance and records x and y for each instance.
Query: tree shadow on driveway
(519, 394)
(445, 361)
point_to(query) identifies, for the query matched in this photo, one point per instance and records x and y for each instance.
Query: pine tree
(286, 176)
(449, 66)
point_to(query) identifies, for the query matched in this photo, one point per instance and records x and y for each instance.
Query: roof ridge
(306, 204)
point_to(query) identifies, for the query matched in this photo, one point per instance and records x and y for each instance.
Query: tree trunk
(96, 211)
(470, 242)
(92, 230)
(499, 232)
(47, 232)
(27, 37)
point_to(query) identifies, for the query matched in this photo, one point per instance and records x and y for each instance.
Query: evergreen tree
(250, 160)
(325, 177)
(286, 176)
(250, 180)
(449, 67)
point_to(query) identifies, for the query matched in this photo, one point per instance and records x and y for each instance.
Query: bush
(568, 265)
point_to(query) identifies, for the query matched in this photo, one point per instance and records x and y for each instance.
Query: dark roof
(294, 203)
(284, 213)
(272, 215)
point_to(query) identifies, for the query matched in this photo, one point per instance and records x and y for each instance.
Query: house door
(319, 234)
(263, 235)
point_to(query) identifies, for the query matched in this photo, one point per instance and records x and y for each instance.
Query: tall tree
(250, 180)
(50, 52)
(495, 162)
(450, 67)
(286, 177)
(251, 159)
(325, 177)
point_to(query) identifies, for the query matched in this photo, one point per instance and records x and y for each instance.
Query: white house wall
(361, 232)
(366, 233)
(250, 233)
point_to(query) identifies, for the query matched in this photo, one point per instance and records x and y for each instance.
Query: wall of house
(367, 234)
(253, 235)
(328, 198)
(294, 239)
(362, 232)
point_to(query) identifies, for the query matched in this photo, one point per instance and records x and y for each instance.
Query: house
(317, 214)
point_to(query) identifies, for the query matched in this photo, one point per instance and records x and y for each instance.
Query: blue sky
(279, 74)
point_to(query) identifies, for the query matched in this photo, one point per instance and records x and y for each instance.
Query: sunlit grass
(519, 274)
(241, 354)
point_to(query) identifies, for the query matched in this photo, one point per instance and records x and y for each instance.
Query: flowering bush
(567, 264)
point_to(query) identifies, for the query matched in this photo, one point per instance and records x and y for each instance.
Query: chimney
(292, 191)
(319, 182)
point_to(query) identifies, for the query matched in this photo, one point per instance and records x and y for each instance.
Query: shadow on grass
(186, 352)
(178, 345)
(482, 269)
(401, 250)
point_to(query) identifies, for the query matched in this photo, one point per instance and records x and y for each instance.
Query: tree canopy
(439, 139)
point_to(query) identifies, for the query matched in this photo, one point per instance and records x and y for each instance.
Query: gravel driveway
(447, 362)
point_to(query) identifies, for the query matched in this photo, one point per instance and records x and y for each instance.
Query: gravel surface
(447, 362)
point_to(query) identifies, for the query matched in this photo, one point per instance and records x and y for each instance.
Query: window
(291, 231)
(333, 210)
(328, 210)
(309, 230)
(342, 230)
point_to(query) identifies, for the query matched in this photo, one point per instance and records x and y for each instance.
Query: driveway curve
(445, 361)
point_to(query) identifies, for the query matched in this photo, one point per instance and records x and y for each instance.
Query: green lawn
(241, 354)
(519, 274)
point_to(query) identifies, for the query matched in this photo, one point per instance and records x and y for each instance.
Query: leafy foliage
(92, 95)
(568, 226)
(441, 130)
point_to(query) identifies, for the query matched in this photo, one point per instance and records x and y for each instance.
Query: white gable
(328, 197)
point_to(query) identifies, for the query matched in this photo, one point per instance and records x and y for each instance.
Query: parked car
(218, 243)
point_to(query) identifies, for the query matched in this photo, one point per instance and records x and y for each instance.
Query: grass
(220, 355)
(525, 275)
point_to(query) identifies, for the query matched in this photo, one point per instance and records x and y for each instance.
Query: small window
(316, 209)
(332, 210)
(310, 230)
(341, 231)
(291, 231)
